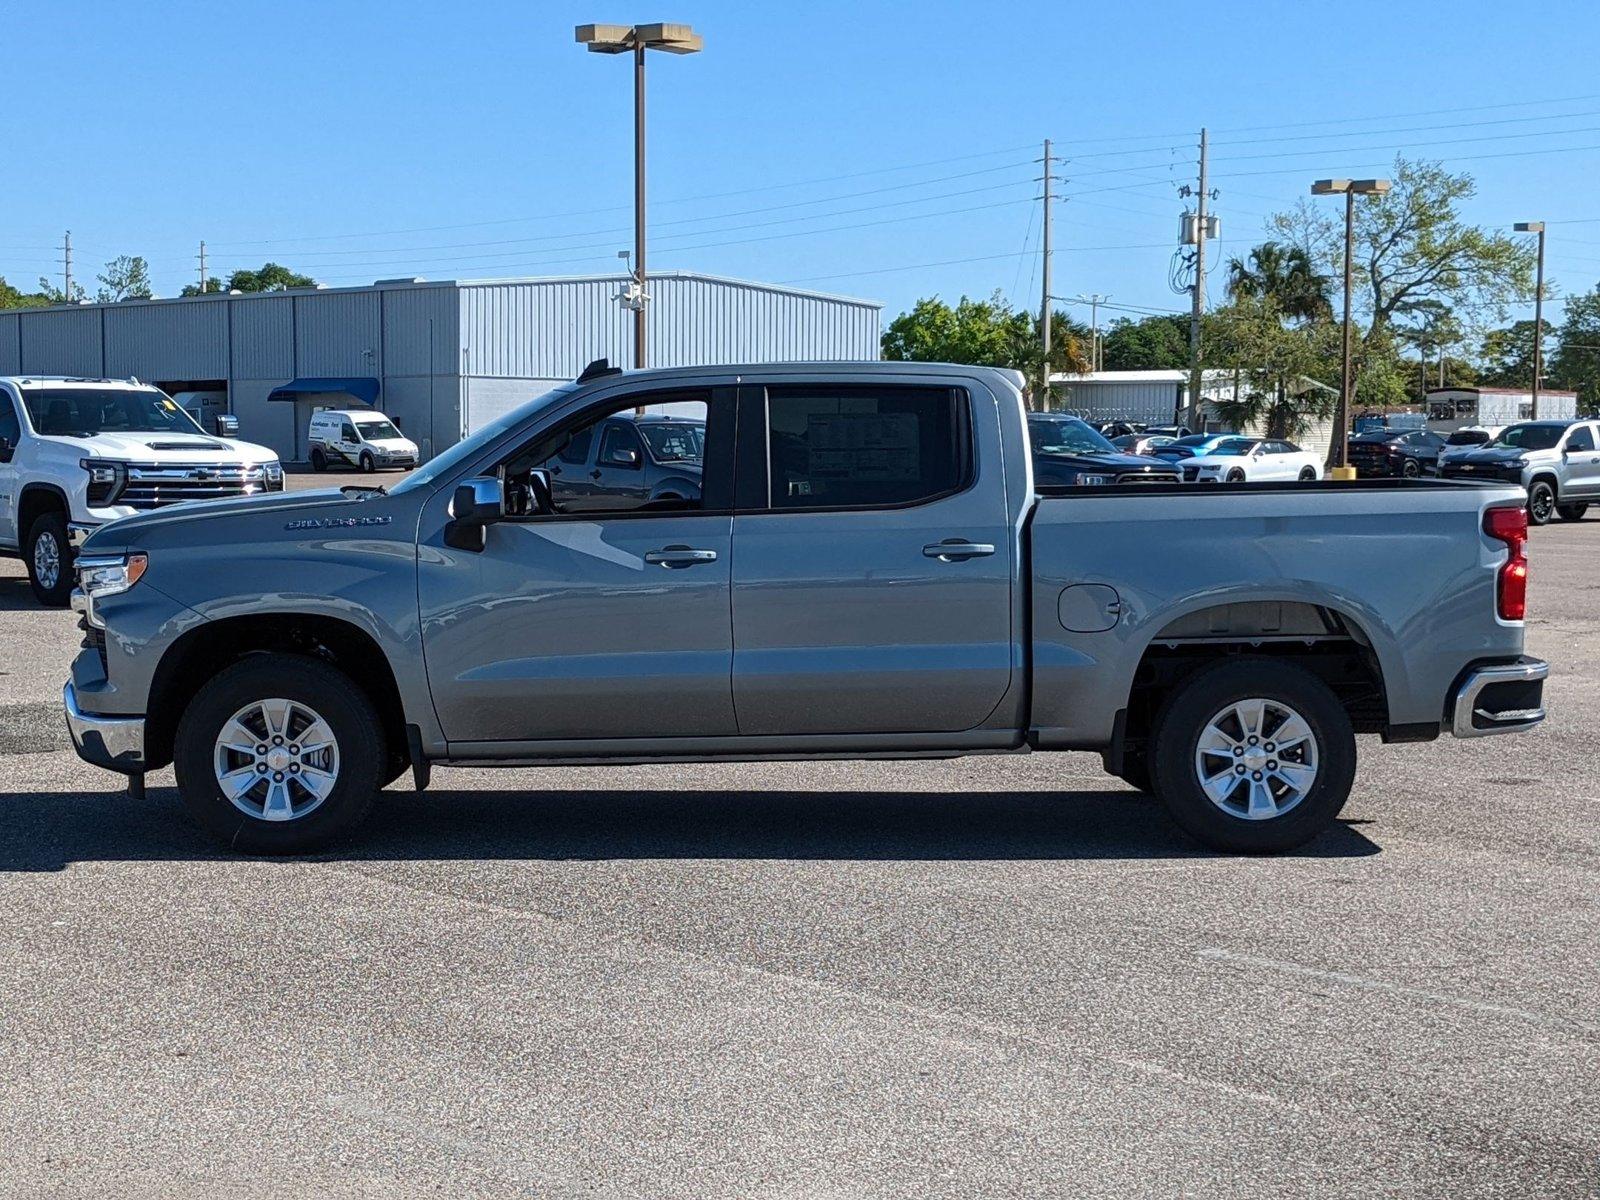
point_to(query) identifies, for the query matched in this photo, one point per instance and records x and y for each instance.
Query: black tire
(1541, 502)
(1571, 512)
(47, 551)
(319, 460)
(357, 731)
(1308, 474)
(1410, 468)
(367, 463)
(1236, 476)
(1205, 694)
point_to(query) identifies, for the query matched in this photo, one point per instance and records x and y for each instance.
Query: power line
(1430, 112)
(1489, 137)
(1411, 129)
(1322, 165)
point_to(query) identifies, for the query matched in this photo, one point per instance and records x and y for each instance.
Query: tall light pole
(1538, 312)
(635, 40)
(1340, 468)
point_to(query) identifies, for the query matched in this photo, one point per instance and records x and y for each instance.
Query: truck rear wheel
(1571, 512)
(49, 556)
(279, 754)
(1253, 755)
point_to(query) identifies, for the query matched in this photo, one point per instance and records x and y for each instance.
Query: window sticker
(863, 446)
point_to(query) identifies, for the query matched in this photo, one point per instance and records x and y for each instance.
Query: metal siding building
(447, 356)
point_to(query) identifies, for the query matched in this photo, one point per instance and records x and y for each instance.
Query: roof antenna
(599, 367)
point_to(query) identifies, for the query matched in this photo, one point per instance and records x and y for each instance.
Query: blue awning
(360, 388)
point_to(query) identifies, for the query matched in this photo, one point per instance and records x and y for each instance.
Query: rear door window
(865, 447)
(1581, 439)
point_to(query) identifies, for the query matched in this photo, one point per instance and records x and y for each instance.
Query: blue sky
(879, 150)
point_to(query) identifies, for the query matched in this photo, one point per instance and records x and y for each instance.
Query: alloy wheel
(1256, 759)
(276, 760)
(46, 561)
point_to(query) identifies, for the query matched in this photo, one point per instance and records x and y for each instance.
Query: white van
(362, 438)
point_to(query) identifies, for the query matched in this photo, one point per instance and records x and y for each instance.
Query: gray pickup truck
(867, 570)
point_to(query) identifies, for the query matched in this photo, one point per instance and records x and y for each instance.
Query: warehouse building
(440, 358)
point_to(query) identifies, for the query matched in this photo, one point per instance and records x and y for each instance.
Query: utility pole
(1197, 304)
(202, 266)
(1094, 300)
(1538, 311)
(66, 262)
(1044, 303)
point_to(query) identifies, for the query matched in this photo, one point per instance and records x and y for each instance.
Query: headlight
(1517, 463)
(1096, 480)
(106, 479)
(272, 475)
(111, 575)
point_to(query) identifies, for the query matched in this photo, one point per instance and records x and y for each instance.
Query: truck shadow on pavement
(16, 595)
(47, 832)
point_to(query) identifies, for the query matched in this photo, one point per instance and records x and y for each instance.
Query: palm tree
(1284, 275)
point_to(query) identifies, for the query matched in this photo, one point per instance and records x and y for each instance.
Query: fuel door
(1089, 608)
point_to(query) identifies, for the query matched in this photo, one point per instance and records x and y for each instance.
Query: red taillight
(1510, 525)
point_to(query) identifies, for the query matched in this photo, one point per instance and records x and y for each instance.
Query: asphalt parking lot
(975, 978)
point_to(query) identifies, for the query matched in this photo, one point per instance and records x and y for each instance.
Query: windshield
(1195, 439)
(1233, 448)
(1067, 436)
(376, 431)
(1467, 437)
(679, 442)
(1377, 436)
(467, 449)
(84, 412)
(1531, 437)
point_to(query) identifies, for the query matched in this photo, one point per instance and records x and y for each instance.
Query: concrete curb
(32, 727)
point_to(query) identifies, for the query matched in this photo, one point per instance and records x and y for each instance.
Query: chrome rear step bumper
(1502, 698)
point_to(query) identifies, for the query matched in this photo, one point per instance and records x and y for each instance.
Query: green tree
(1148, 344)
(1576, 361)
(1506, 354)
(51, 294)
(11, 297)
(272, 277)
(989, 333)
(1412, 246)
(125, 278)
(1284, 274)
(1275, 358)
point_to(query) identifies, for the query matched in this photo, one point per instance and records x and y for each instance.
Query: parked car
(76, 453)
(871, 570)
(638, 459)
(363, 438)
(1389, 452)
(1116, 429)
(1468, 437)
(1243, 459)
(1141, 443)
(1196, 444)
(1067, 452)
(1556, 462)
(1171, 431)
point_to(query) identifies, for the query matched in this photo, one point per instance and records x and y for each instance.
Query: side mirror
(476, 505)
(7, 449)
(623, 458)
(227, 425)
(541, 493)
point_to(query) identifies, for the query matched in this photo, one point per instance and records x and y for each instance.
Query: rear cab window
(833, 447)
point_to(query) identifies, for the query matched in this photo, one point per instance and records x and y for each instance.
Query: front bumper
(115, 743)
(1499, 698)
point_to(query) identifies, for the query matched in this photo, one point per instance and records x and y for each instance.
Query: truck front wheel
(1541, 503)
(49, 556)
(1253, 755)
(279, 754)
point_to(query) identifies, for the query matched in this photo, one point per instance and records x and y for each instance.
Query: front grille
(152, 485)
(1481, 471)
(1148, 477)
(1190, 474)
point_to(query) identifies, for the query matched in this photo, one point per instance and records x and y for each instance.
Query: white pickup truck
(76, 453)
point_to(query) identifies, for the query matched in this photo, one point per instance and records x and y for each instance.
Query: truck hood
(394, 445)
(324, 503)
(1111, 462)
(162, 448)
(1484, 454)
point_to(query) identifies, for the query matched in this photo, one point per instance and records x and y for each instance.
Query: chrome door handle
(679, 556)
(957, 550)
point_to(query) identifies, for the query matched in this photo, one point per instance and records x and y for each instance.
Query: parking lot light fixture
(635, 40)
(1340, 467)
(1538, 313)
